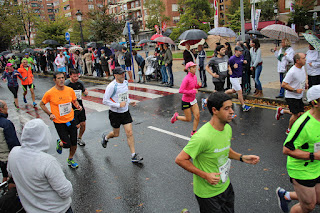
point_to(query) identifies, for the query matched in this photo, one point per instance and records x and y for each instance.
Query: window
(138, 14)
(90, 0)
(132, 4)
(288, 3)
(175, 19)
(221, 1)
(99, 5)
(67, 7)
(64, 0)
(67, 14)
(145, 12)
(50, 5)
(56, 3)
(174, 7)
(221, 15)
(34, 5)
(137, 3)
(221, 7)
(50, 10)
(90, 6)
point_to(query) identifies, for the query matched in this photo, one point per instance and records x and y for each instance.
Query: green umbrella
(313, 40)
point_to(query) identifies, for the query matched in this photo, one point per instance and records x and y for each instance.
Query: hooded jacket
(41, 183)
(26, 74)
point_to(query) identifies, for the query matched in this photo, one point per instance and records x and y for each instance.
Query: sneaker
(278, 113)
(283, 203)
(104, 141)
(136, 158)
(17, 107)
(174, 117)
(203, 103)
(59, 148)
(24, 99)
(81, 142)
(34, 104)
(287, 131)
(192, 133)
(246, 108)
(185, 211)
(72, 163)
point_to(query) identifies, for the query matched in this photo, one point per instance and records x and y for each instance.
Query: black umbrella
(144, 41)
(167, 32)
(49, 41)
(67, 46)
(254, 32)
(48, 48)
(28, 50)
(116, 46)
(19, 55)
(5, 52)
(193, 34)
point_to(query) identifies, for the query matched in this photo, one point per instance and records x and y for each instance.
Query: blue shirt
(139, 59)
(236, 72)
(11, 78)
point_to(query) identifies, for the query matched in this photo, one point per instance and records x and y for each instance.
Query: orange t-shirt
(61, 103)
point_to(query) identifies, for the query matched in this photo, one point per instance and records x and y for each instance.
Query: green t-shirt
(209, 149)
(30, 61)
(12, 61)
(304, 135)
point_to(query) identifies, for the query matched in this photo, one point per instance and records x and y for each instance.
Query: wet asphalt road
(107, 181)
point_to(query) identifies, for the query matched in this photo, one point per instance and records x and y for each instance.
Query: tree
(156, 10)
(75, 35)
(234, 21)
(235, 5)
(103, 26)
(300, 16)
(267, 10)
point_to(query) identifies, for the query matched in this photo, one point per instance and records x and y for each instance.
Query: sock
(289, 129)
(133, 154)
(287, 196)
(243, 105)
(105, 138)
(282, 111)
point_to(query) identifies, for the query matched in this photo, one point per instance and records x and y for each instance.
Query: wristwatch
(311, 156)
(294, 90)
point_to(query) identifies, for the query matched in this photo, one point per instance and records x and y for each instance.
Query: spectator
(78, 62)
(146, 49)
(229, 53)
(201, 61)
(43, 63)
(50, 59)
(163, 68)
(140, 62)
(41, 183)
(313, 66)
(188, 55)
(121, 60)
(256, 65)
(104, 63)
(246, 81)
(127, 61)
(168, 63)
(88, 57)
(60, 62)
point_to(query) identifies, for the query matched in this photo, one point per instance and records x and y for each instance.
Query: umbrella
(254, 32)
(107, 51)
(116, 46)
(92, 44)
(311, 39)
(167, 32)
(38, 50)
(279, 32)
(50, 41)
(144, 41)
(193, 45)
(193, 34)
(155, 36)
(246, 37)
(5, 52)
(164, 39)
(223, 32)
(28, 50)
(213, 39)
(19, 55)
(48, 48)
(9, 55)
(73, 49)
(67, 45)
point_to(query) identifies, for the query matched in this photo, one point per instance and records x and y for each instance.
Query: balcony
(134, 9)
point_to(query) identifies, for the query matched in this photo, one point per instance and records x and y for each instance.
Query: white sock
(106, 138)
(132, 154)
(282, 111)
(243, 105)
(287, 196)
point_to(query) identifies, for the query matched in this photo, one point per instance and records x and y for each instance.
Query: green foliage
(267, 10)
(156, 9)
(235, 5)
(300, 16)
(234, 21)
(75, 35)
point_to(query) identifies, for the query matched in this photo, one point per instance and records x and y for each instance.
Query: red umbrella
(155, 36)
(191, 42)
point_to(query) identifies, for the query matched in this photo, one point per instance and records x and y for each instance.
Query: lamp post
(79, 19)
(315, 17)
(275, 11)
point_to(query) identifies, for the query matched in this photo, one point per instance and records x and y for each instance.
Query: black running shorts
(118, 119)
(307, 183)
(14, 91)
(185, 105)
(25, 87)
(80, 116)
(295, 105)
(67, 134)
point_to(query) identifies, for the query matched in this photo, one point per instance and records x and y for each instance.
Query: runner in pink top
(189, 88)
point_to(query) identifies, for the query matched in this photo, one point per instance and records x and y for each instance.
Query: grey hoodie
(41, 183)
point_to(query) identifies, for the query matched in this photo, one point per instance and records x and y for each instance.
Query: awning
(315, 9)
(261, 25)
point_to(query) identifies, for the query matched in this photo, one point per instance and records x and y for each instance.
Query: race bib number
(65, 109)
(316, 147)
(224, 171)
(193, 102)
(78, 94)
(123, 97)
(223, 67)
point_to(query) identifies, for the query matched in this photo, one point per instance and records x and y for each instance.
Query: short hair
(216, 100)
(296, 57)
(73, 71)
(134, 52)
(2, 104)
(57, 73)
(124, 48)
(24, 60)
(286, 42)
(219, 47)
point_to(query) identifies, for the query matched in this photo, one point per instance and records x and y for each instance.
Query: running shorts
(236, 83)
(118, 119)
(219, 86)
(80, 116)
(223, 202)
(62, 69)
(25, 87)
(128, 68)
(307, 183)
(295, 105)
(67, 134)
(14, 91)
(187, 105)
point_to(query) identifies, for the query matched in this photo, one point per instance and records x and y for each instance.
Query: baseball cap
(26, 54)
(9, 65)
(190, 64)
(313, 93)
(238, 48)
(118, 70)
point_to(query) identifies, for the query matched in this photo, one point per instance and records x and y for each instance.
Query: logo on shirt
(222, 149)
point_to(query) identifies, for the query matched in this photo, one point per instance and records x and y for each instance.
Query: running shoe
(203, 103)
(24, 99)
(246, 108)
(283, 203)
(192, 133)
(81, 142)
(136, 158)
(287, 131)
(17, 107)
(72, 163)
(59, 148)
(278, 113)
(104, 142)
(185, 211)
(34, 104)
(174, 117)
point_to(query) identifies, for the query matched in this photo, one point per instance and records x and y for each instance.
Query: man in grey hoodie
(41, 183)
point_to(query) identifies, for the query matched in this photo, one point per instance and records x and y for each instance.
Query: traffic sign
(67, 36)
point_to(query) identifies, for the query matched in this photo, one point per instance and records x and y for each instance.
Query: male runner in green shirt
(210, 149)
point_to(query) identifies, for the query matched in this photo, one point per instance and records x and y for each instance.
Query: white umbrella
(73, 49)
(279, 32)
(223, 32)
(194, 46)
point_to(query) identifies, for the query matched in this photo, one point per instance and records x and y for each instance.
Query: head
(299, 59)
(102, 51)
(124, 49)
(119, 74)
(191, 67)
(77, 52)
(74, 75)
(112, 56)
(254, 43)
(313, 96)
(200, 47)
(134, 52)
(61, 53)
(58, 78)
(25, 63)
(26, 55)
(227, 45)
(187, 46)
(165, 46)
(247, 44)
(241, 44)
(221, 50)
(285, 43)
(161, 46)
(220, 105)
(238, 51)
(9, 67)
(3, 108)
(311, 47)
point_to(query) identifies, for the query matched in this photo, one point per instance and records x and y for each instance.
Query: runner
(295, 84)
(127, 59)
(27, 81)
(303, 163)
(60, 98)
(60, 61)
(189, 88)
(11, 75)
(79, 116)
(117, 98)
(29, 59)
(236, 63)
(211, 153)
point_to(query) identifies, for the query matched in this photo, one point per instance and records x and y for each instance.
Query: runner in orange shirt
(61, 99)
(27, 80)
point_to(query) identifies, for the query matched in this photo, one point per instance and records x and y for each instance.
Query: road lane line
(169, 133)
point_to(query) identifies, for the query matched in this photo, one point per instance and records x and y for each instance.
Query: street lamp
(79, 19)
(275, 11)
(315, 17)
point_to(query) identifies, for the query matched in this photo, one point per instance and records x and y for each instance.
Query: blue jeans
(164, 74)
(169, 67)
(281, 89)
(257, 76)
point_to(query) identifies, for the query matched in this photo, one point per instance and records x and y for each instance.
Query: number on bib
(65, 109)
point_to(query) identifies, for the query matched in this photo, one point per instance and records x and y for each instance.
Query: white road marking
(169, 133)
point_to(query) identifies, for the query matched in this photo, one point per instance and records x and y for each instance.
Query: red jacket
(26, 73)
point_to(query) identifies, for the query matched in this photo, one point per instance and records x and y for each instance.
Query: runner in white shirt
(60, 61)
(313, 66)
(295, 83)
(117, 98)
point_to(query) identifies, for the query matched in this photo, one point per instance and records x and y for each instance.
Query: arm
(183, 89)
(289, 56)
(183, 160)
(107, 100)
(10, 135)
(77, 105)
(249, 159)
(258, 58)
(215, 75)
(299, 154)
(46, 110)
(286, 86)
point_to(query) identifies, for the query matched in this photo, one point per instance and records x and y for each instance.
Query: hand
(5, 80)
(133, 103)
(199, 84)
(310, 64)
(285, 54)
(230, 72)
(213, 178)
(79, 108)
(123, 104)
(251, 68)
(245, 61)
(299, 91)
(52, 116)
(251, 159)
(307, 85)
(275, 49)
(199, 68)
(85, 93)
(215, 75)
(235, 66)
(24, 79)
(16, 74)
(196, 90)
